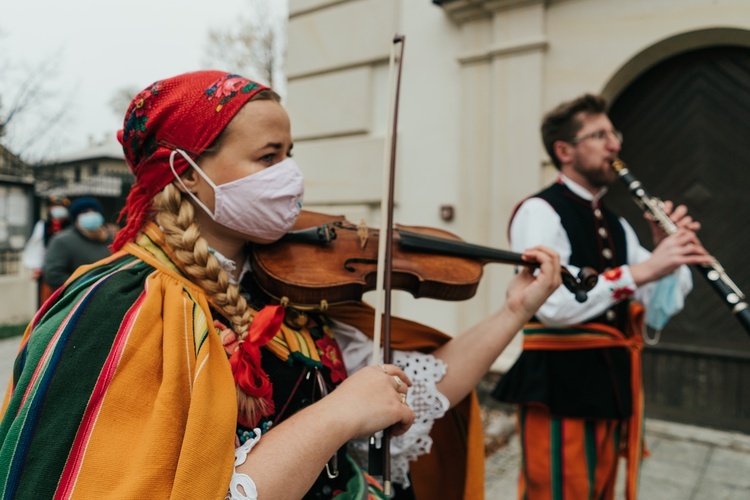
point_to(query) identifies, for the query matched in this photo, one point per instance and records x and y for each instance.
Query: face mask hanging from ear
(262, 206)
(666, 301)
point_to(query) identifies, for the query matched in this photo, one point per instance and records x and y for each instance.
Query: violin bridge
(363, 234)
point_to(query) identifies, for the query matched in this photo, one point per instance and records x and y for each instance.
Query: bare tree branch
(252, 47)
(120, 100)
(32, 106)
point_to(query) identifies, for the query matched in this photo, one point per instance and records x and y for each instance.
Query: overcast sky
(101, 46)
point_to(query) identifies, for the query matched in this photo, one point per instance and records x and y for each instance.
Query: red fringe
(136, 211)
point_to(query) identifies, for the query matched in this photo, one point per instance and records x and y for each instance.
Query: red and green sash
(596, 336)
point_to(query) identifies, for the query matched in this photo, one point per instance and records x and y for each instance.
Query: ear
(189, 179)
(565, 151)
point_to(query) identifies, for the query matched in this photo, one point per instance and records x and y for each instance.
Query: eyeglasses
(600, 135)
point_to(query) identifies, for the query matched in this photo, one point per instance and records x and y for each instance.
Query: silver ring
(382, 367)
(398, 381)
(403, 398)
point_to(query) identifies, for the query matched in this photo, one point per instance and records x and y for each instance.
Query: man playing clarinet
(577, 382)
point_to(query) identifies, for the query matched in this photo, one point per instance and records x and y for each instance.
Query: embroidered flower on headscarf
(135, 121)
(227, 87)
(227, 336)
(331, 357)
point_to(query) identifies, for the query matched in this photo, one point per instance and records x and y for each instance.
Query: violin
(326, 260)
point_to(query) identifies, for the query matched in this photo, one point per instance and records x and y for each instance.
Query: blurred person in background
(44, 229)
(86, 241)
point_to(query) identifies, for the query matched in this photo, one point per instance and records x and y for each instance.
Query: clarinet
(713, 273)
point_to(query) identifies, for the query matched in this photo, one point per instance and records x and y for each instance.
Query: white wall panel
(349, 34)
(331, 104)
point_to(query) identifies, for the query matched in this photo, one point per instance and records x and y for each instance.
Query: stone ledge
(461, 11)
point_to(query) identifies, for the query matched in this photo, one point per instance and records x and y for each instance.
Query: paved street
(686, 462)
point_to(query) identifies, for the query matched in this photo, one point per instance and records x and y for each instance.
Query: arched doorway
(686, 123)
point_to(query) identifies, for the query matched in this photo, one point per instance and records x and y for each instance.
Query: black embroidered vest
(585, 383)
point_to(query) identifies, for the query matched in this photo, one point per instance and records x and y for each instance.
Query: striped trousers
(567, 458)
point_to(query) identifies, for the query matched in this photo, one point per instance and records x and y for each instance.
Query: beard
(598, 176)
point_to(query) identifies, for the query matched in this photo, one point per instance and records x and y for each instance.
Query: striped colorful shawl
(118, 390)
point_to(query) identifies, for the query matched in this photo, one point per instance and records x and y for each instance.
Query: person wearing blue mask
(86, 241)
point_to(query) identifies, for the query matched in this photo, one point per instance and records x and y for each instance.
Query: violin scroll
(579, 285)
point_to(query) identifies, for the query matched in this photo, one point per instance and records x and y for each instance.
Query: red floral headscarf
(188, 112)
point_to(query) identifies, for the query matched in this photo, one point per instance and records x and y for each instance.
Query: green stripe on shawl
(82, 351)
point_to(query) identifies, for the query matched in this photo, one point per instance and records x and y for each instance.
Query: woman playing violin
(163, 372)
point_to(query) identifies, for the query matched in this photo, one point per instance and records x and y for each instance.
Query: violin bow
(379, 460)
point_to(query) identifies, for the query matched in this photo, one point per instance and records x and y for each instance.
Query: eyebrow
(277, 145)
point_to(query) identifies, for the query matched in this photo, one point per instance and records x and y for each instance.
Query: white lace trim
(425, 371)
(239, 480)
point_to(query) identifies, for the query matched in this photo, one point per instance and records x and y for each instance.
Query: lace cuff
(242, 486)
(425, 371)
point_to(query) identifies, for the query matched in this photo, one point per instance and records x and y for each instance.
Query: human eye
(601, 135)
(268, 159)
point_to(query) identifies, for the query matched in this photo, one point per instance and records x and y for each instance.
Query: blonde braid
(175, 215)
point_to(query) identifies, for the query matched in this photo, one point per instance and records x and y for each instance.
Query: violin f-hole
(351, 269)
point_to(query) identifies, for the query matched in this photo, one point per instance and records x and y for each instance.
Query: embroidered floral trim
(619, 285)
(226, 87)
(243, 433)
(331, 356)
(135, 122)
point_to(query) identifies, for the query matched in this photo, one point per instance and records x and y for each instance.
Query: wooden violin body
(327, 260)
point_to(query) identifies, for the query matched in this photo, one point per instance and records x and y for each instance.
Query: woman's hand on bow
(374, 399)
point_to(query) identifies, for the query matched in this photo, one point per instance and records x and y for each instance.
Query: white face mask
(262, 206)
(58, 212)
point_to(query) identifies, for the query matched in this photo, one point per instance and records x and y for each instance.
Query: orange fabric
(634, 450)
(535, 456)
(534, 480)
(45, 292)
(454, 468)
(190, 411)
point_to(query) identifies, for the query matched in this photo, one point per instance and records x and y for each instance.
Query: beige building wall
(478, 75)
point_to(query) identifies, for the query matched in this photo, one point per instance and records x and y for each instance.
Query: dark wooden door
(686, 124)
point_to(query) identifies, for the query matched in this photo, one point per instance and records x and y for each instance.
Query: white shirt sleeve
(537, 223)
(428, 404)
